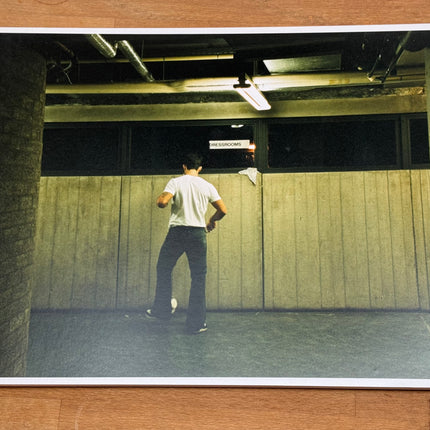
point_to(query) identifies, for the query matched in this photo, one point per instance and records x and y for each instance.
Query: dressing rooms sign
(229, 144)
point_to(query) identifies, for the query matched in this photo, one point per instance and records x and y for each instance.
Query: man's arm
(163, 199)
(221, 211)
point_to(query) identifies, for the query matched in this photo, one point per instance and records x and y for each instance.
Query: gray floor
(246, 344)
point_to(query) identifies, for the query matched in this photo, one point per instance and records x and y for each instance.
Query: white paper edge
(340, 383)
(219, 30)
(361, 383)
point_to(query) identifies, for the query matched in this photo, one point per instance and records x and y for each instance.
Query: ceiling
(74, 63)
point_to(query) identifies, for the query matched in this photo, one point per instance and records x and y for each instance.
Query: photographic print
(216, 207)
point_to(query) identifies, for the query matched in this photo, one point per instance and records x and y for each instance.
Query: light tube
(247, 89)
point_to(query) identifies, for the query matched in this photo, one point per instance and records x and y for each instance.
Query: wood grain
(207, 13)
(205, 408)
(137, 408)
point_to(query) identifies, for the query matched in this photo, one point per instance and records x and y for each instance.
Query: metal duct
(399, 50)
(135, 60)
(102, 45)
(109, 51)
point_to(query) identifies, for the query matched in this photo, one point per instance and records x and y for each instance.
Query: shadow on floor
(244, 344)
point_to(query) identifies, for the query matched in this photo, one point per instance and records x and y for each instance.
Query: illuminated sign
(229, 144)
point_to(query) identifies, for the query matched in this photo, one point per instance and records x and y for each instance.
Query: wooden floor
(211, 408)
(209, 13)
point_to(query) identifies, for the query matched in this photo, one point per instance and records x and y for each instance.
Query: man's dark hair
(192, 161)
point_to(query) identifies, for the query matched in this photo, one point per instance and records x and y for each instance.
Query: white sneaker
(202, 329)
(174, 304)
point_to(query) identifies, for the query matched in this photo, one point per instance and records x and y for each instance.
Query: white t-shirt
(191, 195)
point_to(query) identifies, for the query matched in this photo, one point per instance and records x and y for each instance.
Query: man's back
(191, 195)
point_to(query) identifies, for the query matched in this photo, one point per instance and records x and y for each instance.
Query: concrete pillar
(22, 102)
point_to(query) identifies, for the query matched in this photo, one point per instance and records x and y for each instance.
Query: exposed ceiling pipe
(371, 74)
(102, 45)
(399, 50)
(109, 51)
(411, 78)
(178, 58)
(135, 60)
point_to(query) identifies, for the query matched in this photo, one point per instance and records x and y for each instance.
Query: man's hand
(221, 211)
(210, 226)
(163, 199)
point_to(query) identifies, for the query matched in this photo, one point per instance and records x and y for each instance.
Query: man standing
(190, 196)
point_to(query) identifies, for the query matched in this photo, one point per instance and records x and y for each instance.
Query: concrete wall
(98, 240)
(347, 240)
(22, 96)
(336, 240)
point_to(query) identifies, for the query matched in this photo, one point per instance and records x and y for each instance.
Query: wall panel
(405, 281)
(239, 244)
(355, 263)
(420, 180)
(77, 243)
(63, 249)
(133, 272)
(279, 242)
(307, 246)
(330, 241)
(252, 243)
(343, 240)
(381, 275)
(43, 244)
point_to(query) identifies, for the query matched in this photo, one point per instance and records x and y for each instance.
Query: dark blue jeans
(192, 241)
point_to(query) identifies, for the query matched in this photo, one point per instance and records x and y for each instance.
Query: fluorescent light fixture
(247, 89)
